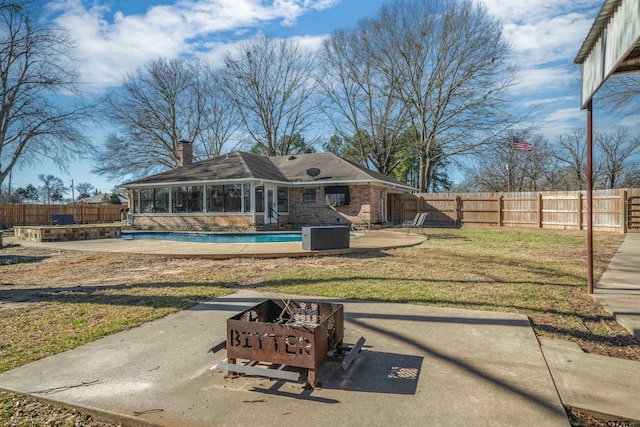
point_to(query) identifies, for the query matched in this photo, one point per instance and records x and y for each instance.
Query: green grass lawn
(539, 273)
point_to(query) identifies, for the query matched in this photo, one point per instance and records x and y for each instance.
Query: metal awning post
(590, 197)
(612, 46)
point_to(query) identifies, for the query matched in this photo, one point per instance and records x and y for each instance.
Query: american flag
(520, 145)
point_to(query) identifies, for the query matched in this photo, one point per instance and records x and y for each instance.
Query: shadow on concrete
(277, 390)
(375, 372)
(541, 403)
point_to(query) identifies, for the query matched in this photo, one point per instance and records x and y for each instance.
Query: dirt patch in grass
(580, 418)
(51, 301)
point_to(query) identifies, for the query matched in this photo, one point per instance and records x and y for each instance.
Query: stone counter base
(62, 233)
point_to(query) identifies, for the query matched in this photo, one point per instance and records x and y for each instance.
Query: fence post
(500, 209)
(539, 210)
(458, 201)
(579, 210)
(624, 212)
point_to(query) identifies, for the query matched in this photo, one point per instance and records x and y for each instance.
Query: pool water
(213, 237)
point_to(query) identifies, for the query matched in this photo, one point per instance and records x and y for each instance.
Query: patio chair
(365, 225)
(418, 222)
(409, 222)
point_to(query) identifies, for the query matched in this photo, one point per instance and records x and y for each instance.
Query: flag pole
(508, 179)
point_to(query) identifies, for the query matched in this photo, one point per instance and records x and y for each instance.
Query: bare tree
(36, 64)
(156, 107)
(616, 150)
(631, 178)
(571, 151)
(453, 75)
(557, 177)
(221, 119)
(362, 101)
(539, 165)
(620, 93)
(501, 168)
(271, 83)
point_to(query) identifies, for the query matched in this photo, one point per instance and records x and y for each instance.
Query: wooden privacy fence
(612, 209)
(12, 215)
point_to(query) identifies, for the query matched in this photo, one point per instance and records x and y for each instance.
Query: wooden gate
(633, 215)
(395, 208)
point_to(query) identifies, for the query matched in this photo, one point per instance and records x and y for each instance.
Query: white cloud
(110, 43)
(543, 32)
(631, 122)
(562, 121)
(553, 39)
(534, 10)
(540, 82)
(545, 38)
(214, 52)
(310, 43)
(560, 99)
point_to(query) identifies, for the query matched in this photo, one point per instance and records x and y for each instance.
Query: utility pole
(8, 200)
(73, 195)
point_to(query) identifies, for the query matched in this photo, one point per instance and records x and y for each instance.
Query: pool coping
(125, 233)
(375, 241)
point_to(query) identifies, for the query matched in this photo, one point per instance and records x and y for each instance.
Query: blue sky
(117, 36)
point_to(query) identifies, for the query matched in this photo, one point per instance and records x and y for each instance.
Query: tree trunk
(425, 173)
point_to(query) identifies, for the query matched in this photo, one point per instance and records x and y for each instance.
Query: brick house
(245, 191)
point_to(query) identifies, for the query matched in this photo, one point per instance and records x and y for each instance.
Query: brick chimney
(184, 153)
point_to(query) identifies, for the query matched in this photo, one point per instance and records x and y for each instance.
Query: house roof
(97, 198)
(239, 165)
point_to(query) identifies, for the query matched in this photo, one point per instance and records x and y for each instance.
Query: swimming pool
(177, 236)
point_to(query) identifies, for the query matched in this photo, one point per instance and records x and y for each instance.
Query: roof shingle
(239, 165)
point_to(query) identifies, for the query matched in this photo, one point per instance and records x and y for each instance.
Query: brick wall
(364, 206)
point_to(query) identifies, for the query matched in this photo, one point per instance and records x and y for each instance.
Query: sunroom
(244, 191)
(211, 205)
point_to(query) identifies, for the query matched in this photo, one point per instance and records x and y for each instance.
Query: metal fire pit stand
(287, 333)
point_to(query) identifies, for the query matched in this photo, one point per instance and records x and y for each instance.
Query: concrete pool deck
(373, 241)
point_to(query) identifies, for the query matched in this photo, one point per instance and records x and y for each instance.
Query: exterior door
(270, 205)
(394, 208)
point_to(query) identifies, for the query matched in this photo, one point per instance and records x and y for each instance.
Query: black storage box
(325, 237)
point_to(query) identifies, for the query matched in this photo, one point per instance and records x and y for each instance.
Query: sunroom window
(186, 199)
(224, 198)
(154, 200)
(259, 199)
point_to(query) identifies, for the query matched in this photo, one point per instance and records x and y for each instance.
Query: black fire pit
(285, 332)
